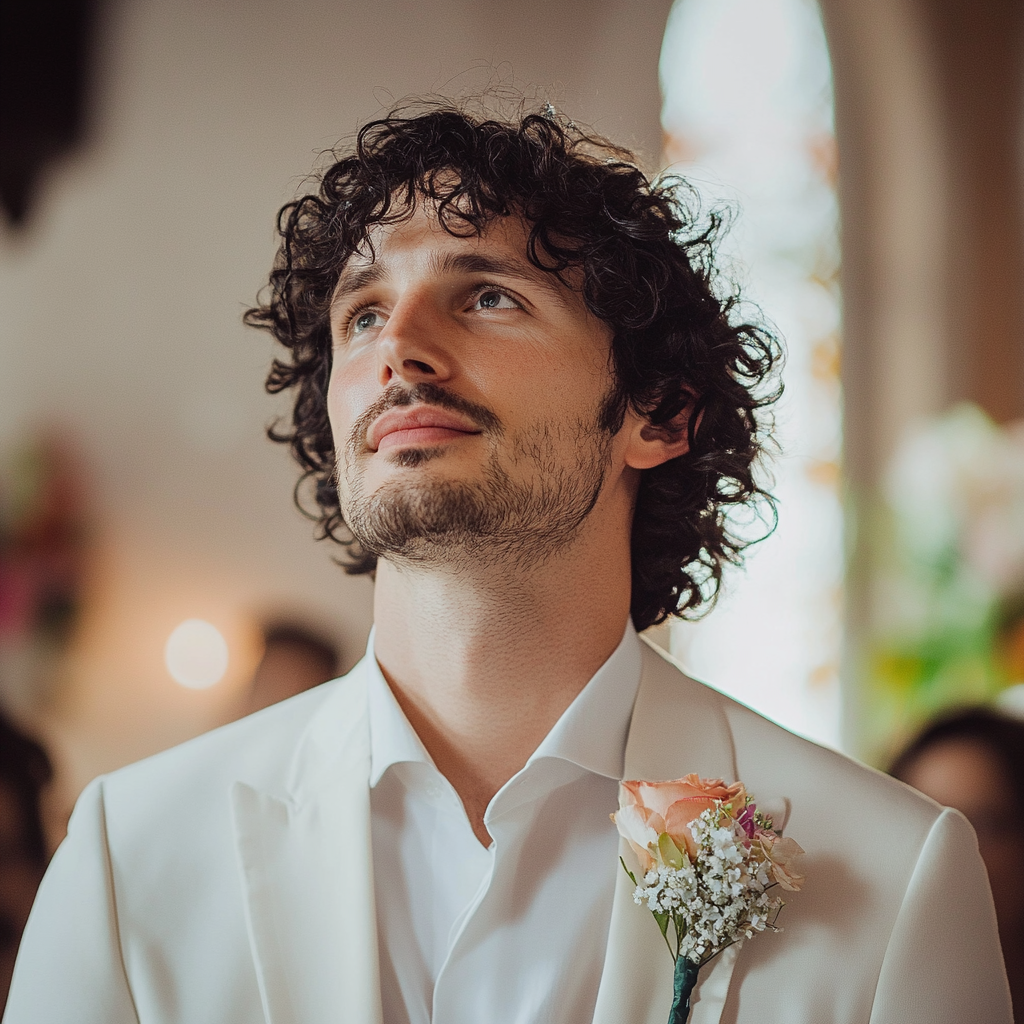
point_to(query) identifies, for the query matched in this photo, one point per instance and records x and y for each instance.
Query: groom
(520, 402)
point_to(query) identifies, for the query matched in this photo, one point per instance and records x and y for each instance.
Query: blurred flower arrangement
(952, 574)
(42, 547)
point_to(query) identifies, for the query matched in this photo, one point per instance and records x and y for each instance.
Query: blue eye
(364, 322)
(493, 299)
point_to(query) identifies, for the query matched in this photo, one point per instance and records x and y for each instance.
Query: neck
(483, 664)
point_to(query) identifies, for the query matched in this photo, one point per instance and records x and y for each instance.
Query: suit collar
(307, 873)
(678, 727)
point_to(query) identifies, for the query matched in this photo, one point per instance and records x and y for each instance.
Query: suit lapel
(305, 859)
(678, 727)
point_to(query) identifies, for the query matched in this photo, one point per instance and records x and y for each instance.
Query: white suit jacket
(230, 881)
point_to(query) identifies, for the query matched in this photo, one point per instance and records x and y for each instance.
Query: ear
(651, 444)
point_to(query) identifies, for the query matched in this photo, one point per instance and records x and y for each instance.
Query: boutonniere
(708, 862)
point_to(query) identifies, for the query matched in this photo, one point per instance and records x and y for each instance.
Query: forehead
(420, 244)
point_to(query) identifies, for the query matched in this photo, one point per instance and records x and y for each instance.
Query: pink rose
(649, 809)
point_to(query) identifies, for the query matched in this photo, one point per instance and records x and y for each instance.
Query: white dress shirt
(516, 933)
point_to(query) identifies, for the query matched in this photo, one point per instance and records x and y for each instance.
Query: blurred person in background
(295, 658)
(974, 761)
(24, 771)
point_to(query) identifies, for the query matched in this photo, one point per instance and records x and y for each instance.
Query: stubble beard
(499, 519)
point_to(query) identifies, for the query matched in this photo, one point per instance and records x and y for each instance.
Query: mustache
(421, 394)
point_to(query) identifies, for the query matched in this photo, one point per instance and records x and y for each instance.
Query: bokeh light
(196, 654)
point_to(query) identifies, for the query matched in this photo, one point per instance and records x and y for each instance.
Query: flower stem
(682, 986)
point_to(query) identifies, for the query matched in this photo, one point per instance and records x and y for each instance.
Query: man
(519, 401)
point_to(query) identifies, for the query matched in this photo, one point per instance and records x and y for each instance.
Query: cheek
(543, 386)
(349, 393)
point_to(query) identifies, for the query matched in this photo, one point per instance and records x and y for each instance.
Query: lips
(421, 424)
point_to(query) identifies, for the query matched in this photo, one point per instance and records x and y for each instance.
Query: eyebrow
(353, 279)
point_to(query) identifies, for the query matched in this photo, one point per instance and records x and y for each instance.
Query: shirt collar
(392, 739)
(591, 732)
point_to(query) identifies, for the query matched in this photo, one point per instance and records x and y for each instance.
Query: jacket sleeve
(943, 963)
(70, 968)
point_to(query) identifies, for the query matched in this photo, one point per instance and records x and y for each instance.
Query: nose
(412, 346)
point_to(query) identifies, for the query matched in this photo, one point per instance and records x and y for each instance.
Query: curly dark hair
(645, 257)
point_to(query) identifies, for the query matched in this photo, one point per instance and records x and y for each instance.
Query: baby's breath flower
(717, 898)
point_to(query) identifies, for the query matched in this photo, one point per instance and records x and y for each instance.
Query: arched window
(748, 119)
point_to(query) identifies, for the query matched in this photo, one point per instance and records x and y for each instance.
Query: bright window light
(196, 654)
(750, 123)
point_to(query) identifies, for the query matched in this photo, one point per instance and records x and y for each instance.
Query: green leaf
(670, 853)
(662, 918)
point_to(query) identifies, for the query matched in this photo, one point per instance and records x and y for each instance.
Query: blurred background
(155, 579)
